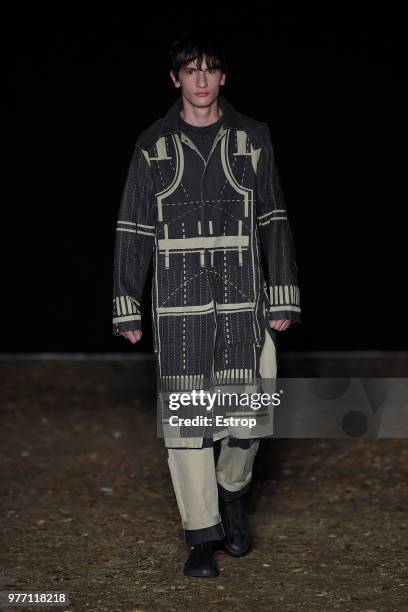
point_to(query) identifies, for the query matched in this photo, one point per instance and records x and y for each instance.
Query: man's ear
(174, 78)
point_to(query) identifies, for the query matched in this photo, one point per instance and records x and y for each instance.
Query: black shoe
(235, 520)
(201, 561)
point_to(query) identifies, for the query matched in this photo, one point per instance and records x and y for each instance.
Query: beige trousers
(195, 476)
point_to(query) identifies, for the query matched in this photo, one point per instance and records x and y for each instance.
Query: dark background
(80, 89)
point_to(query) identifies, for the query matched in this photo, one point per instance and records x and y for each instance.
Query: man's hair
(193, 44)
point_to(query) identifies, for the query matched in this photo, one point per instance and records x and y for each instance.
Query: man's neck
(200, 117)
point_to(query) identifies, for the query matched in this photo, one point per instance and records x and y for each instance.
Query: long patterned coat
(206, 224)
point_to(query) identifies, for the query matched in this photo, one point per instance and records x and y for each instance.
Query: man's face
(194, 81)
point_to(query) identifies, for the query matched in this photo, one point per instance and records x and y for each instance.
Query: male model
(203, 200)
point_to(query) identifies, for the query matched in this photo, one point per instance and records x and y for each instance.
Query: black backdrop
(81, 87)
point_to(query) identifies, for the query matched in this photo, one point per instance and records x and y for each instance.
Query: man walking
(203, 200)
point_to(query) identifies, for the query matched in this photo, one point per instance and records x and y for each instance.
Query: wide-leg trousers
(198, 483)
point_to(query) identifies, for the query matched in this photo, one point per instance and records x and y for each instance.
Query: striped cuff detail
(283, 308)
(125, 308)
(284, 295)
(126, 319)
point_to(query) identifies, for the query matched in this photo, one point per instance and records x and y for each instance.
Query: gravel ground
(88, 506)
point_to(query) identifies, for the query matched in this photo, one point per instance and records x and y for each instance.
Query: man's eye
(210, 70)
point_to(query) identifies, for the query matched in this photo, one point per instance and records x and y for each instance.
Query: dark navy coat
(203, 224)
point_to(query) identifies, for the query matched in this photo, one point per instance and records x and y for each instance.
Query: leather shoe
(235, 520)
(201, 561)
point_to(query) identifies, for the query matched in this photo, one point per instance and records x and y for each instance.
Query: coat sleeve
(134, 242)
(276, 238)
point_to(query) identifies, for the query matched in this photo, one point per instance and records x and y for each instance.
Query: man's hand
(280, 324)
(132, 336)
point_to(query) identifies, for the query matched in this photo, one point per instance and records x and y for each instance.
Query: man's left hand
(280, 324)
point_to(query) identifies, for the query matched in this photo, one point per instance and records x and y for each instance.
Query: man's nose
(202, 78)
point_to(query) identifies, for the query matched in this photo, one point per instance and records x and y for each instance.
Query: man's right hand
(132, 336)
